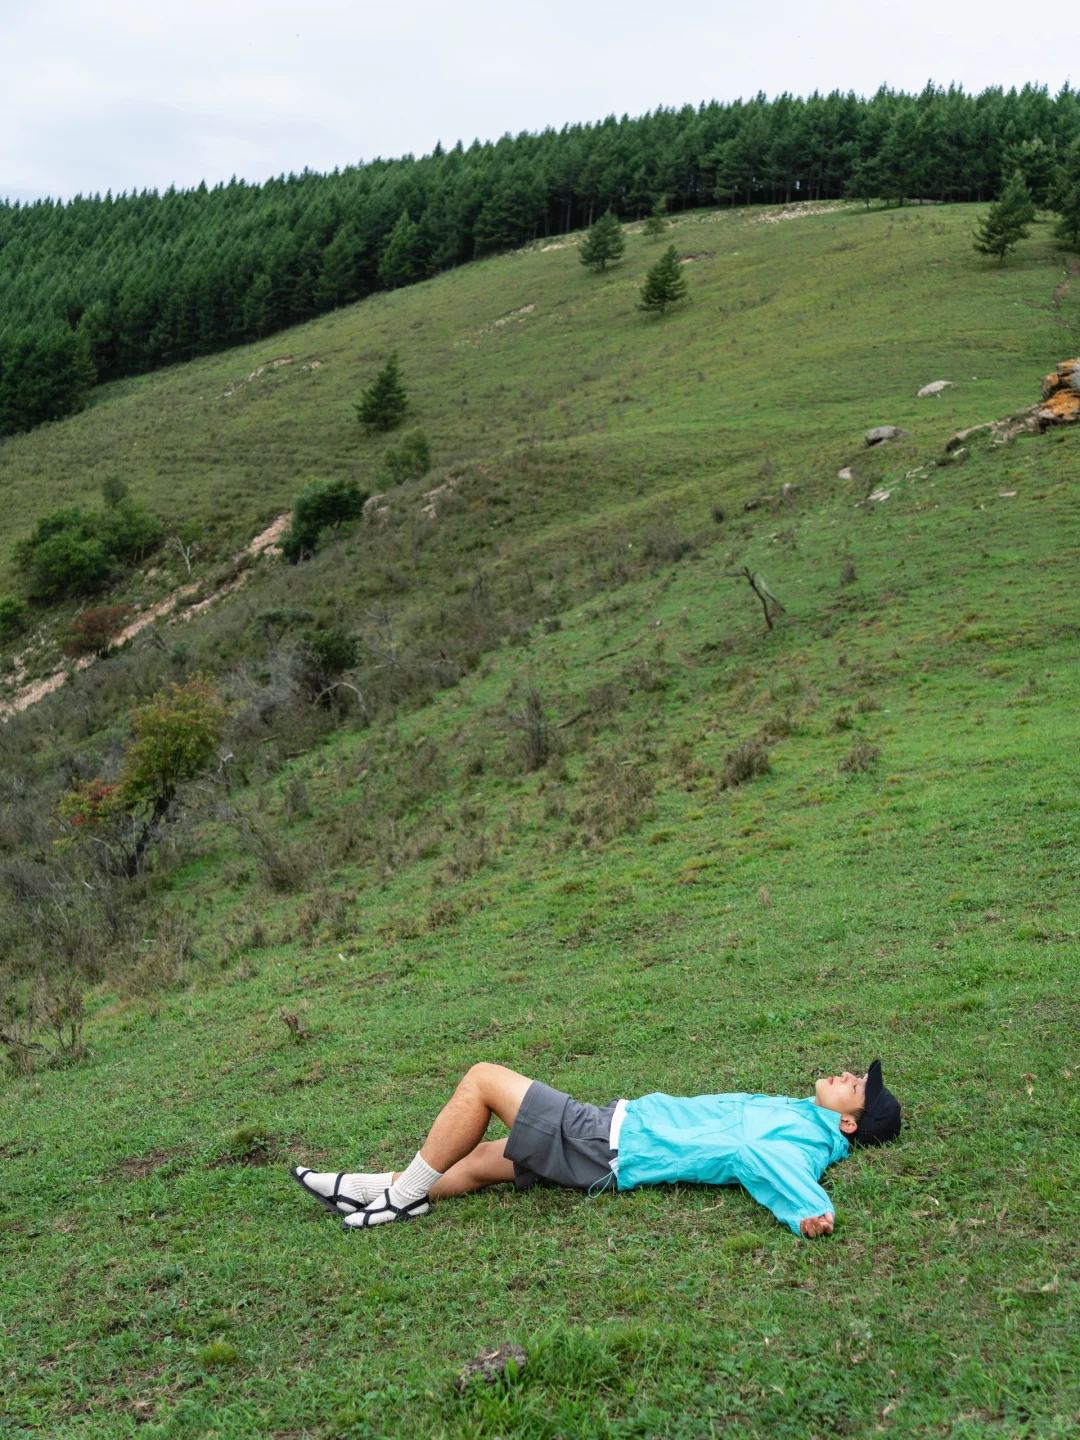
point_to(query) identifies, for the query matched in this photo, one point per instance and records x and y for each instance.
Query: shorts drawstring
(599, 1186)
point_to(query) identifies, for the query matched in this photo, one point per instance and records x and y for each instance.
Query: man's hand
(816, 1225)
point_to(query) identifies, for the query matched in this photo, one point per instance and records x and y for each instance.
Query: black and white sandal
(335, 1199)
(385, 1212)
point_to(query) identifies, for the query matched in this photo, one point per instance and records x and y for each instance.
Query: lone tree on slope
(383, 404)
(604, 244)
(1065, 198)
(656, 221)
(664, 283)
(1007, 221)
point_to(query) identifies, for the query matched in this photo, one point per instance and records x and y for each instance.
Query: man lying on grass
(774, 1146)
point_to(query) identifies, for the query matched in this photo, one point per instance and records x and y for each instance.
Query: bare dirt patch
(511, 317)
(262, 370)
(143, 1165)
(801, 210)
(1060, 291)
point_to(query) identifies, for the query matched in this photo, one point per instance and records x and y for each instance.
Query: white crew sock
(413, 1183)
(361, 1188)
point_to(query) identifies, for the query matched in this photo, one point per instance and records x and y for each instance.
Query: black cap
(881, 1118)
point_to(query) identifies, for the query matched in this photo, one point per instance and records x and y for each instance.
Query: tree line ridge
(99, 288)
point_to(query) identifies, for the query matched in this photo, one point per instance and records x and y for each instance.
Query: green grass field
(162, 1275)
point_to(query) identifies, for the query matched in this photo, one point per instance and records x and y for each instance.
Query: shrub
(321, 505)
(128, 532)
(409, 460)
(12, 615)
(861, 758)
(324, 913)
(442, 914)
(616, 790)
(91, 632)
(749, 759)
(67, 564)
(533, 737)
(165, 959)
(175, 737)
(283, 868)
(324, 657)
(74, 552)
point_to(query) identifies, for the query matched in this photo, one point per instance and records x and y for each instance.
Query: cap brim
(874, 1083)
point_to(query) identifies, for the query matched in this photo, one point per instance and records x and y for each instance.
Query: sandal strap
(300, 1175)
(401, 1212)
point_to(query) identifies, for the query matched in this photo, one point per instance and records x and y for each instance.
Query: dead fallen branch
(761, 590)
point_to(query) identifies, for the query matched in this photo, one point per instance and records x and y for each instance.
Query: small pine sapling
(1006, 222)
(383, 404)
(656, 221)
(664, 284)
(604, 244)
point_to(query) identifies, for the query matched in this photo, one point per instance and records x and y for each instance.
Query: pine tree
(383, 404)
(656, 222)
(1065, 198)
(603, 244)
(1037, 162)
(865, 182)
(1007, 221)
(664, 283)
(339, 277)
(401, 260)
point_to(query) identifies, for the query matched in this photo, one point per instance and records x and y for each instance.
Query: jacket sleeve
(778, 1175)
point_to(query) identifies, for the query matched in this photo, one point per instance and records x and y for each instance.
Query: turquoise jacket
(775, 1147)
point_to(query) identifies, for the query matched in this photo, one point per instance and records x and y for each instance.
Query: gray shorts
(559, 1141)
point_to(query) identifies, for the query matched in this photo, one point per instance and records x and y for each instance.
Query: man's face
(846, 1093)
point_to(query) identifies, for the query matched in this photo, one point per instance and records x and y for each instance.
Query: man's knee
(481, 1075)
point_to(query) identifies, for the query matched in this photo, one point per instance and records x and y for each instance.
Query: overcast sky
(124, 94)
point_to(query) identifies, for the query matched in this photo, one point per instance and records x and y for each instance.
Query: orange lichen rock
(1061, 409)
(1060, 406)
(1061, 395)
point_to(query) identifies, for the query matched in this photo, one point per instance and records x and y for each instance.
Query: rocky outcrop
(1060, 405)
(1061, 395)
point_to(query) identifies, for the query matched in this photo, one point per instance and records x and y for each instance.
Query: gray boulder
(880, 433)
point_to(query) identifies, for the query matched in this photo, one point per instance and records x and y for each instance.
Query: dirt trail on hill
(1062, 290)
(267, 542)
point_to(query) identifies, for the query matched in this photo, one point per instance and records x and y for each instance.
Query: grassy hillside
(901, 882)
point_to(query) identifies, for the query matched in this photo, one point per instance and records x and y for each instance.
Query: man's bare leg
(454, 1149)
(484, 1166)
(461, 1124)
